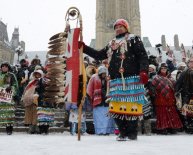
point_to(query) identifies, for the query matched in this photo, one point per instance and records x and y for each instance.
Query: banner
(72, 66)
(4, 96)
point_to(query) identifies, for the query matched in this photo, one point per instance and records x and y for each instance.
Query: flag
(72, 66)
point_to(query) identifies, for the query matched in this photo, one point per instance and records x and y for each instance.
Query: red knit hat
(122, 22)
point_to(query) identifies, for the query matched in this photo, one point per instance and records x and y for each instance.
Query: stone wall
(6, 52)
(108, 11)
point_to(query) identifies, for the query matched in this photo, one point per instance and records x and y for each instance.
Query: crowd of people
(139, 88)
(167, 99)
(24, 84)
(125, 87)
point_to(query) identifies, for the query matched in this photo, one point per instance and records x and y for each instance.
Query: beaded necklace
(115, 45)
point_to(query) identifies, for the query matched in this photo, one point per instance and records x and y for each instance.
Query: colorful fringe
(126, 101)
(127, 117)
(134, 90)
(45, 116)
(7, 113)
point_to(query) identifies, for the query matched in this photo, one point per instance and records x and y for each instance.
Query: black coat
(184, 86)
(40, 89)
(136, 58)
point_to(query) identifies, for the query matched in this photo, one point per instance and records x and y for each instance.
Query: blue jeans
(74, 127)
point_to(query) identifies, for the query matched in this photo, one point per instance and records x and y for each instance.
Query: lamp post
(19, 51)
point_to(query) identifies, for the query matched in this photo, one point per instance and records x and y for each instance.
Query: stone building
(108, 11)
(8, 49)
(6, 52)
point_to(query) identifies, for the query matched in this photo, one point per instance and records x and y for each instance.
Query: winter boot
(9, 130)
(46, 129)
(41, 129)
(120, 138)
(31, 129)
(37, 131)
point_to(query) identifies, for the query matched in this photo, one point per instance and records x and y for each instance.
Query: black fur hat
(163, 65)
(6, 64)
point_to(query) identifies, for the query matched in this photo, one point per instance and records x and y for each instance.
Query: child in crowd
(73, 118)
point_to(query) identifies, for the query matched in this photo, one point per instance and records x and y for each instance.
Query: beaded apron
(126, 100)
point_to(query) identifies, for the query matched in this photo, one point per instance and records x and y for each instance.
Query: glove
(143, 77)
(81, 44)
(8, 89)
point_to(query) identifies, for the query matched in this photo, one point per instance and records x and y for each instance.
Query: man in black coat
(127, 61)
(184, 85)
(22, 77)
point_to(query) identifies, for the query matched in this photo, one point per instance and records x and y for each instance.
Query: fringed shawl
(163, 85)
(28, 95)
(94, 90)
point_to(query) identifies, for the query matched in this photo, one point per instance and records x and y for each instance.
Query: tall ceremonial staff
(76, 74)
(82, 80)
(69, 67)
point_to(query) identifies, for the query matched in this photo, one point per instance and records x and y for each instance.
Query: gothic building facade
(108, 11)
(8, 48)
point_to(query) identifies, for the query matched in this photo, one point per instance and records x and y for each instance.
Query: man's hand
(81, 44)
(23, 80)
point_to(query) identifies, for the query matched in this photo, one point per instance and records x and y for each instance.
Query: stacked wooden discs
(54, 90)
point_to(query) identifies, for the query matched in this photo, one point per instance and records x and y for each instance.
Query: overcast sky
(38, 20)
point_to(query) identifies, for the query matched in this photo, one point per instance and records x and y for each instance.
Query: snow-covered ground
(65, 144)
